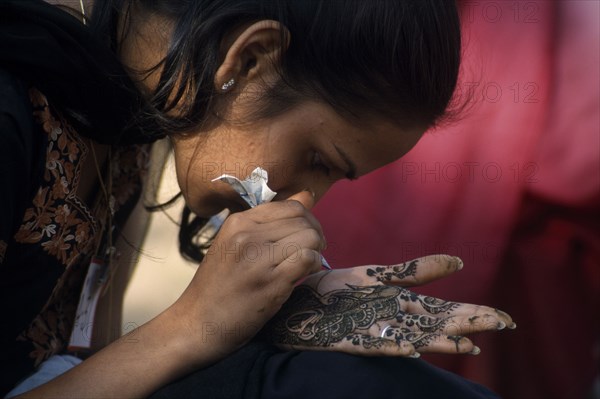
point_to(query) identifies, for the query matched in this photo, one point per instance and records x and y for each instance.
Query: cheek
(190, 184)
(288, 176)
(194, 180)
(283, 178)
(292, 180)
(181, 164)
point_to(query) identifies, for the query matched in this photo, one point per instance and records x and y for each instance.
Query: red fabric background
(513, 188)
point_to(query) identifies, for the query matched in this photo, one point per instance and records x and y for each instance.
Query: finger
(474, 311)
(422, 304)
(417, 271)
(433, 343)
(299, 265)
(296, 207)
(446, 344)
(279, 229)
(366, 345)
(306, 198)
(276, 210)
(456, 325)
(288, 246)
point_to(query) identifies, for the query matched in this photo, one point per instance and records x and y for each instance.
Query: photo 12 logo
(493, 12)
(470, 172)
(474, 92)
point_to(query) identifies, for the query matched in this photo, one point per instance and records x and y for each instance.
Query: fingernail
(459, 262)
(415, 355)
(501, 325)
(513, 326)
(311, 192)
(475, 351)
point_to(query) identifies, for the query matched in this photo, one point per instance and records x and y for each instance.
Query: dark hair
(395, 58)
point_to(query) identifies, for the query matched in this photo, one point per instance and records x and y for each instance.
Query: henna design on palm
(366, 341)
(437, 306)
(423, 323)
(420, 339)
(387, 273)
(417, 339)
(311, 319)
(430, 304)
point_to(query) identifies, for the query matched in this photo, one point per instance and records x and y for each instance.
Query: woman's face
(307, 148)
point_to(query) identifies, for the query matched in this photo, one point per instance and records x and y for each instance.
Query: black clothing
(261, 371)
(79, 74)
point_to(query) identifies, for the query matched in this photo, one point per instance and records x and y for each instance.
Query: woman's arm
(136, 364)
(233, 293)
(140, 362)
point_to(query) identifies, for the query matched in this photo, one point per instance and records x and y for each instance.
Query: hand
(250, 270)
(366, 310)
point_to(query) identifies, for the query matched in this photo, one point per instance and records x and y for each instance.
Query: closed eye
(318, 164)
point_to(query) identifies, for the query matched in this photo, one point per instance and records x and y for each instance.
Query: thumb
(305, 197)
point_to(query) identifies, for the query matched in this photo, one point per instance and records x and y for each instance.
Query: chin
(235, 207)
(211, 208)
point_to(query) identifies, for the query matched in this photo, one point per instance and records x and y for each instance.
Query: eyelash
(317, 164)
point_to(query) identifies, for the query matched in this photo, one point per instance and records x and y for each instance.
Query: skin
(361, 308)
(291, 148)
(177, 341)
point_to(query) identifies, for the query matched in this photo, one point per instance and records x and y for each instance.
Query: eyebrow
(351, 174)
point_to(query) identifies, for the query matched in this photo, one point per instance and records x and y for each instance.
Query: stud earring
(227, 86)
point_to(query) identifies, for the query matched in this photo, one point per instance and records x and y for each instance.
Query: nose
(317, 187)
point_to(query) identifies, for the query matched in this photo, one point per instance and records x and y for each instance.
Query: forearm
(137, 364)
(227, 302)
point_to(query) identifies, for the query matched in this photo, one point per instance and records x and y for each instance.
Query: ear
(252, 54)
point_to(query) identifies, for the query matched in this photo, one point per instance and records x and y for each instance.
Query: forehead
(371, 141)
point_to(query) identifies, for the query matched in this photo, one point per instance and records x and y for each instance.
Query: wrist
(195, 334)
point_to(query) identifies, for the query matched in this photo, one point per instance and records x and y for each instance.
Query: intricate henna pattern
(436, 306)
(417, 339)
(423, 323)
(420, 339)
(387, 273)
(430, 304)
(311, 319)
(366, 341)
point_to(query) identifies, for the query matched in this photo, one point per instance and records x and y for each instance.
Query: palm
(368, 310)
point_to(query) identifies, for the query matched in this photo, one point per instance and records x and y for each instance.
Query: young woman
(313, 91)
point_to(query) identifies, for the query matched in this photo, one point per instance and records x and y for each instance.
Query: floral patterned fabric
(59, 234)
(58, 220)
